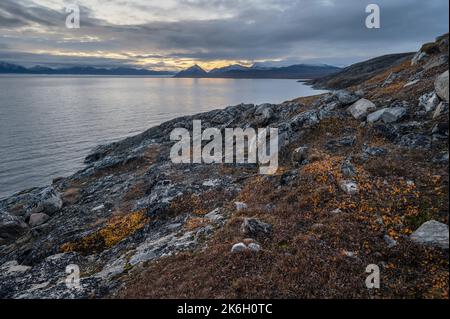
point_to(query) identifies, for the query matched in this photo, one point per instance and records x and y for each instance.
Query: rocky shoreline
(363, 179)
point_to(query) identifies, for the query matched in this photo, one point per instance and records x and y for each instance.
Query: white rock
(211, 182)
(349, 187)
(99, 207)
(432, 233)
(240, 206)
(375, 116)
(429, 101)
(361, 108)
(411, 83)
(239, 247)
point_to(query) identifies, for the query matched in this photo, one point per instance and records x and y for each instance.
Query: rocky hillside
(360, 72)
(363, 180)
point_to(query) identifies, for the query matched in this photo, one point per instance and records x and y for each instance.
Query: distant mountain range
(236, 71)
(8, 68)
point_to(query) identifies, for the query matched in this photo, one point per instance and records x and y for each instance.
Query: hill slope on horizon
(360, 72)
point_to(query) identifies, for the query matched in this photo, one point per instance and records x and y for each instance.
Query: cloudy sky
(174, 34)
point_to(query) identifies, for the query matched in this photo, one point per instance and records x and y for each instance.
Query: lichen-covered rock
(432, 233)
(393, 114)
(255, 227)
(347, 168)
(373, 151)
(299, 155)
(305, 120)
(375, 116)
(48, 202)
(345, 97)
(158, 245)
(413, 140)
(11, 227)
(46, 280)
(429, 101)
(215, 216)
(263, 114)
(344, 141)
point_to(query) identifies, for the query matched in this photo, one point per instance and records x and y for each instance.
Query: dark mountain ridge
(8, 68)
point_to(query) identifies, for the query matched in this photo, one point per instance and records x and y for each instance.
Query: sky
(175, 34)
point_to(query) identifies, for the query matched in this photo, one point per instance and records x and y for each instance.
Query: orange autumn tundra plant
(115, 230)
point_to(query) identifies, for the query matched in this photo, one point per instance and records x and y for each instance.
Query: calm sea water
(48, 124)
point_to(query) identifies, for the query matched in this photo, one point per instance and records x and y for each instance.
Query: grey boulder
(345, 97)
(38, 219)
(263, 114)
(11, 227)
(441, 86)
(393, 114)
(375, 116)
(361, 108)
(432, 233)
(48, 202)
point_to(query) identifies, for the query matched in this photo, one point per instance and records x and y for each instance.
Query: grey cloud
(306, 30)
